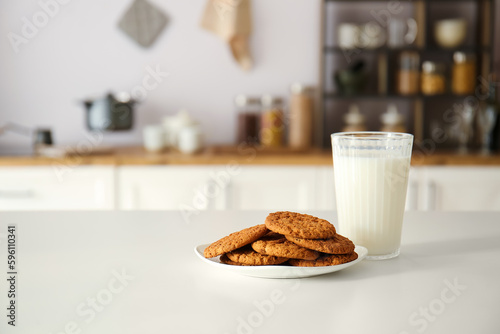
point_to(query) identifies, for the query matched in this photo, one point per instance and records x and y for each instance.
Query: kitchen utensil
(111, 113)
(450, 33)
(401, 32)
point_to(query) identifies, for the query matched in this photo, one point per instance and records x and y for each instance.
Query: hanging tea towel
(231, 20)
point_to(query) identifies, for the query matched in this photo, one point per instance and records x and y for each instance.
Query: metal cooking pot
(111, 113)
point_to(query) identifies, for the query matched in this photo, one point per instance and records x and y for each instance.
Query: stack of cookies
(286, 238)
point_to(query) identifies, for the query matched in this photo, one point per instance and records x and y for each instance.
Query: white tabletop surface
(136, 272)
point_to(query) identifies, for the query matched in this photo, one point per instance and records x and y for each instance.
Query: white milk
(371, 195)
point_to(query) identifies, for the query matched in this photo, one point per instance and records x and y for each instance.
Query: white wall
(81, 53)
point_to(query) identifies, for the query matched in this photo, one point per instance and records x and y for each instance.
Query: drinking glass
(371, 179)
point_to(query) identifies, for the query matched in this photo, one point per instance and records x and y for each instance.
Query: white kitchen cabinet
(273, 188)
(57, 188)
(219, 187)
(412, 194)
(459, 188)
(325, 186)
(166, 187)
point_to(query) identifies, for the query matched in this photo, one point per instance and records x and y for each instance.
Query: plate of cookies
(287, 245)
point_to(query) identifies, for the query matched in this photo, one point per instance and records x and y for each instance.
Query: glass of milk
(371, 179)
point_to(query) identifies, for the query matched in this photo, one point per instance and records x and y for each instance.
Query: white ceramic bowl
(450, 33)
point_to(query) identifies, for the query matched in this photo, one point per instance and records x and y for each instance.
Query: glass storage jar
(463, 74)
(272, 122)
(301, 111)
(433, 80)
(407, 76)
(248, 119)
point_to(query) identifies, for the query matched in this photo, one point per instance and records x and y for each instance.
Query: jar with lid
(301, 114)
(433, 80)
(272, 122)
(354, 120)
(407, 76)
(248, 119)
(392, 120)
(463, 74)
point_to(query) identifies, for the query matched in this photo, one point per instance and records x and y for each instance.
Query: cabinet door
(412, 194)
(165, 188)
(326, 189)
(56, 188)
(273, 188)
(461, 188)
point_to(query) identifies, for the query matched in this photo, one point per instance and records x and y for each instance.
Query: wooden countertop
(243, 155)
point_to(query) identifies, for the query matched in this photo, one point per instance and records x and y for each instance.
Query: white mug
(348, 35)
(154, 138)
(396, 31)
(189, 140)
(371, 36)
(174, 124)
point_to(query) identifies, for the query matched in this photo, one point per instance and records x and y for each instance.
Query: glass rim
(371, 135)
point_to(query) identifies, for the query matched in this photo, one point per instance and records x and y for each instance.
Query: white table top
(136, 272)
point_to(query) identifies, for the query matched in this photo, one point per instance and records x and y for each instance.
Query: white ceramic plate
(279, 271)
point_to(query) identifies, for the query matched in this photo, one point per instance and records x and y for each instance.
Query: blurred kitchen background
(82, 53)
(166, 83)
